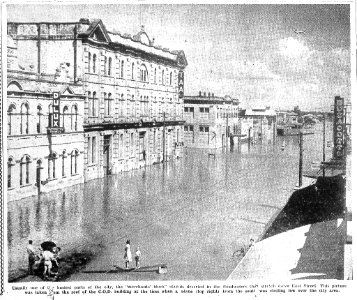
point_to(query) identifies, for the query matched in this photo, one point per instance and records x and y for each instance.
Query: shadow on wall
(322, 257)
(325, 200)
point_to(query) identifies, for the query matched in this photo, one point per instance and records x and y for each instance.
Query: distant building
(258, 123)
(210, 120)
(287, 118)
(40, 156)
(132, 111)
(288, 122)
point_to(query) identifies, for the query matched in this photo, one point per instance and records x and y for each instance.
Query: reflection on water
(231, 197)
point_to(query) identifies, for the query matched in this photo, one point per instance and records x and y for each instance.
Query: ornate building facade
(41, 157)
(132, 112)
(211, 121)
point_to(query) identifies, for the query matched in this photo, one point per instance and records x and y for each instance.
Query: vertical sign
(56, 111)
(338, 129)
(180, 84)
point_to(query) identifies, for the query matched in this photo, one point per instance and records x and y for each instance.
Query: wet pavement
(191, 214)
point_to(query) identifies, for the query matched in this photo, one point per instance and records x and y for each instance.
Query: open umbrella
(48, 245)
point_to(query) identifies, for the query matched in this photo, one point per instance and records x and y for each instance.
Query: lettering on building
(339, 126)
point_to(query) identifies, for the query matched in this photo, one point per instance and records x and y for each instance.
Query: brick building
(210, 120)
(132, 112)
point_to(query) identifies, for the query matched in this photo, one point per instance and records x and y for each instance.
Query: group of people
(43, 258)
(128, 256)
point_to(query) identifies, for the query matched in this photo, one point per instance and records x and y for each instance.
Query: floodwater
(191, 214)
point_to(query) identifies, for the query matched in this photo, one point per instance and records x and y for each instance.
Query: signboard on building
(55, 110)
(338, 129)
(181, 84)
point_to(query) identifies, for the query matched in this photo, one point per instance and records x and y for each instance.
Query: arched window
(143, 73)
(155, 76)
(10, 118)
(24, 126)
(25, 170)
(90, 105)
(132, 70)
(74, 117)
(110, 66)
(105, 104)
(74, 162)
(52, 165)
(10, 166)
(162, 77)
(122, 69)
(94, 104)
(132, 109)
(105, 65)
(64, 155)
(65, 118)
(89, 59)
(94, 62)
(109, 104)
(170, 78)
(39, 115)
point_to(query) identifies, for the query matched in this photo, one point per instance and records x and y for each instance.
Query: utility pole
(323, 145)
(301, 143)
(227, 130)
(163, 139)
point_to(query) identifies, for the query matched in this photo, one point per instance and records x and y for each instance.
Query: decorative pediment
(67, 91)
(99, 33)
(14, 86)
(142, 37)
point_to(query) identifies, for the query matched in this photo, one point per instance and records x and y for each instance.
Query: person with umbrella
(48, 256)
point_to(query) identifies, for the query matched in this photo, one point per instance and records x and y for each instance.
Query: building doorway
(106, 155)
(38, 175)
(142, 147)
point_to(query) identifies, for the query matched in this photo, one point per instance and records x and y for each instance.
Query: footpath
(311, 238)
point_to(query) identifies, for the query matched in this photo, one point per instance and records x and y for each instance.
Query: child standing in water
(137, 258)
(127, 254)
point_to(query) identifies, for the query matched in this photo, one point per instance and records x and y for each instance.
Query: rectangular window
(185, 128)
(186, 109)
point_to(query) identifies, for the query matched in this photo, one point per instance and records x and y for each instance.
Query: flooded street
(191, 214)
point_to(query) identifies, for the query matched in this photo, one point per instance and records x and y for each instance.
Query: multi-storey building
(258, 123)
(44, 150)
(134, 90)
(210, 121)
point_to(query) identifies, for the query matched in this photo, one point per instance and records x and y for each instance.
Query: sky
(279, 55)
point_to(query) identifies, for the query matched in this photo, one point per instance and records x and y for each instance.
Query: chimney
(209, 95)
(212, 95)
(204, 94)
(199, 94)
